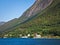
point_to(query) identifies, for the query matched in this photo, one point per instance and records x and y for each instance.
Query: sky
(10, 9)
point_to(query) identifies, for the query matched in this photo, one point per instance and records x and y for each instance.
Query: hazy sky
(10, 9)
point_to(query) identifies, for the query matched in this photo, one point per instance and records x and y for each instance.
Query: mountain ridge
(32, 10)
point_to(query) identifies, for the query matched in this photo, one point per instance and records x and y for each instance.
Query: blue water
(21, 41)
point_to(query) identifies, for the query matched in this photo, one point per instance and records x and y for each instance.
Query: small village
(24, 36)
(35, 35)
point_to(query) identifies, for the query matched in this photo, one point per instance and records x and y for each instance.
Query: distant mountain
(1, 23)
(42, 17)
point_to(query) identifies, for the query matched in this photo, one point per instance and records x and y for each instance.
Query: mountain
(1, 23)
(42, 17)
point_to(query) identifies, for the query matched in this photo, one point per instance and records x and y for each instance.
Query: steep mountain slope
(43, 17)
(37, 7)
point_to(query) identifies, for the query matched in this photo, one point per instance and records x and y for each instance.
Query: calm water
(21, 41)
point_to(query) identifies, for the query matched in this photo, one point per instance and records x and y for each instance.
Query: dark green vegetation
(45, 23)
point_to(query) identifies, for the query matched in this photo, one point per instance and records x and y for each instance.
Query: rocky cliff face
(37, 7)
